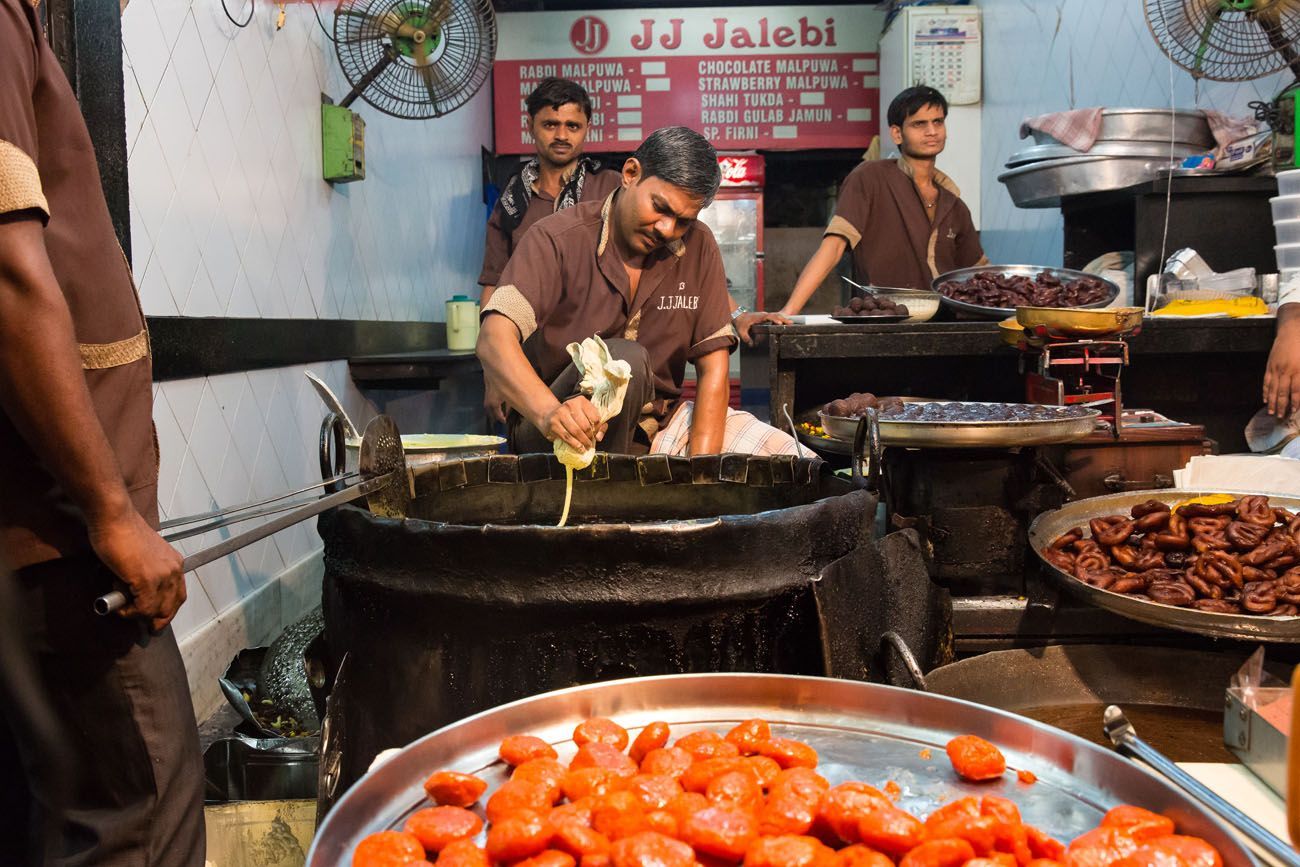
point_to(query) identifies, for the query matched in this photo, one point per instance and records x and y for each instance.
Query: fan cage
(1211, 39)
(459, 62)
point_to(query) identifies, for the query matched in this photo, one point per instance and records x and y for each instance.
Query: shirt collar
(565, 176)
(940, 179)
(677, 247)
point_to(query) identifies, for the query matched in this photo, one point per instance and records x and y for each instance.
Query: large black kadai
(669, 565)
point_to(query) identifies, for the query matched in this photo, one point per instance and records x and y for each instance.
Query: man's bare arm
(709, 420)
(576, 421)
(43, 391)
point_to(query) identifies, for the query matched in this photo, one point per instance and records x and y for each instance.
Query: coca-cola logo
(740, 171)
(589, 35)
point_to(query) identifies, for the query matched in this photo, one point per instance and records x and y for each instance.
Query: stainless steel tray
(861, 731)
(1044, 184)
(1147, 124)
(1066, 275)
(967, 434)
(1051, 525)
(1147, 150)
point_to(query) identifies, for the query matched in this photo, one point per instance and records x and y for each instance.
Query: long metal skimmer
(383, 466)
(1122, 735)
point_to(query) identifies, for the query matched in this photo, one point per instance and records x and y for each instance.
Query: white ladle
(335, 406)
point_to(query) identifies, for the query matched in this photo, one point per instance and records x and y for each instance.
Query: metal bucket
(1147, 125)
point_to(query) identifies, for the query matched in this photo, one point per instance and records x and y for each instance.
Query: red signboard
(763, 77)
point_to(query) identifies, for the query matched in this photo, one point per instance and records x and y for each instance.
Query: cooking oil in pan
(1183, 734)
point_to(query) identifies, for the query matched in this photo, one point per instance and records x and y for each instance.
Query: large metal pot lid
(861, 731)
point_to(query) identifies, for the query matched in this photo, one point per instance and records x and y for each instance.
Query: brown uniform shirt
(567, 282)
(894, 241)
(48, 171)
(500, 244)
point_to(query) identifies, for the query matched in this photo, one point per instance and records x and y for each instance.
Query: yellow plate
(1078, 322)
(1013, 333)
(442, 442)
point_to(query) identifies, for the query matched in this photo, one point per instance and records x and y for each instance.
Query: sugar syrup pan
(1030, 271)
(861, 731)
(968, 434)
(1051, 525)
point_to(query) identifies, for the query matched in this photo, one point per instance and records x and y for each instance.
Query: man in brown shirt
(559, 114)
(904, 219)
(78, 501)
(639, 271)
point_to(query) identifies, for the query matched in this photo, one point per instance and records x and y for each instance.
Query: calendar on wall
(944, 53)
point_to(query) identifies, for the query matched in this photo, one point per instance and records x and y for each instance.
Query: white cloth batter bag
(604, 381)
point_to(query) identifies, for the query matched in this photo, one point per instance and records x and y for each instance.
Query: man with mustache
(641, 272)
(558, 177)
(903, 219)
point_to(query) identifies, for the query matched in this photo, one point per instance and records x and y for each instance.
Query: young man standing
(641, 272)
(904, 219)
(558, 177)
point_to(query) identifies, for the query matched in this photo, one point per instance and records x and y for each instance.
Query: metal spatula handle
(1122, 735)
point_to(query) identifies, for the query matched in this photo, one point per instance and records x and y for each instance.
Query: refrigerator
(736, 218)
(940, 46)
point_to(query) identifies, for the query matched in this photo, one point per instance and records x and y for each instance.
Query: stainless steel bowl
(1147, 150)
(1043, 184)
(1000, 313)
(1147, 124)
(968, 434)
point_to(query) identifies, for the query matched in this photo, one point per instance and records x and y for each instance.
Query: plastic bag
(1263, 693)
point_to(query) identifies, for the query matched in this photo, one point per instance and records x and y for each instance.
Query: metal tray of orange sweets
(861, 731)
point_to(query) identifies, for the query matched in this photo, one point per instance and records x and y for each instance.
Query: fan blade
(387, 23)
(435, 18)
(426, 71)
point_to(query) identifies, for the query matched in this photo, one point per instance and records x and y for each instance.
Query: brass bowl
(1080, 322)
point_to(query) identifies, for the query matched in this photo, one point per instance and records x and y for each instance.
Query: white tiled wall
(230, 217)
(1059, 54)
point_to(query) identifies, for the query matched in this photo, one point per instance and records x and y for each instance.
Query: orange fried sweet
(1099, 847)
(1042, 846)
(517, 749)
(1141, 824)
(463, 853)
(1173, 850)
(652, 737)
(764, 769)
(435, 827)
(891, 830)
(975, 759)
(574, 812)
(787, 813)
(387, 849)
(736, 789)
(861, 856)
(686, 805)
(789, 753)
(663, 822)
(599, 730)
(652, 850)
(618, 815)
(749, 734)
(1026, 777)
(579, 840)
(705, 744)
(980, 831)
(548, 858)
(654, 791)
(996, 859)
(597, 754)
(667, 761)
(589, 782)
(844, 806)
(516, 795)
(452, 789)
(789, 851)
(698, 776)
(942, 852)
(518, 836)
(723, 832)
(547, 773)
